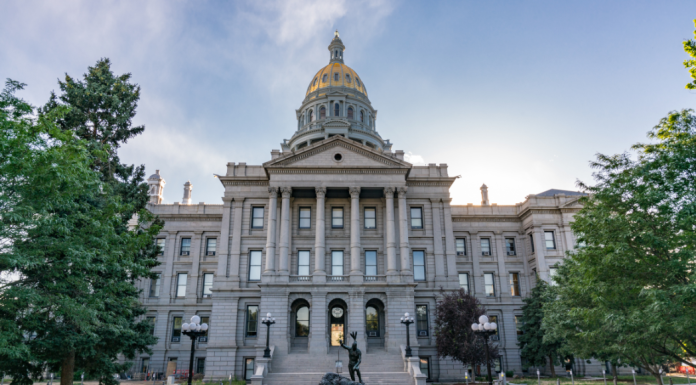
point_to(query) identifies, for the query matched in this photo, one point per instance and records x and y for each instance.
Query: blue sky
(519, 95)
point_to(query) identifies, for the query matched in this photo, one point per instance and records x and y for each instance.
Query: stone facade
(336, 220)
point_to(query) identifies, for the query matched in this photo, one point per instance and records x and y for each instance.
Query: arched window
(336, 77)
(372, 321)
(357, 81)
(315, 81)
(325, 78)
(302, 322)
(322, 112)
(362, 116)
(348, 78)
(337, 109)
(350, 112)
(311, 116)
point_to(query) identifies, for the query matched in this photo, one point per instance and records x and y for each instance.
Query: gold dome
(326, 77)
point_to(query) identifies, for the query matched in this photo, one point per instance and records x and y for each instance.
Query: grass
(623, 380)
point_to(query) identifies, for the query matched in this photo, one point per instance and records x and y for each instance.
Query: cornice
(485, 219)
(430, 182)
(327, 170)
(191, 217)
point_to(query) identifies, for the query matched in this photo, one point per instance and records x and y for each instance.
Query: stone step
(313, 378)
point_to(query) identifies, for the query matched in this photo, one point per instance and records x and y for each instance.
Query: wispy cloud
(416, 160)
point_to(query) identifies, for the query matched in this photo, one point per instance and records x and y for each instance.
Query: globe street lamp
(407, 320)
(194, 330)
(485, 329)
(268, 321)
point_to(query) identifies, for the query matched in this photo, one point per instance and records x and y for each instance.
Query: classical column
(391, 241)
(223, 249)
(285, 231)
(235, 249)
(320, 241)
(167, 278)
(192, 292)
(271, 234)
(540, 253)
(440, 275)
(403, 234)
(452, 272)
(355, 268)
(501, 254)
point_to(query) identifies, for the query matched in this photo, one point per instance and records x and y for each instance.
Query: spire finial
(336, 33)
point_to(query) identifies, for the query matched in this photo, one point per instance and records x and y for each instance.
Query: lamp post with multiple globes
(485, 329)
(194, 330)
(407, 320)
(268, 321)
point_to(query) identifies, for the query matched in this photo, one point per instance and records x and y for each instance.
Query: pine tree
(535, 348)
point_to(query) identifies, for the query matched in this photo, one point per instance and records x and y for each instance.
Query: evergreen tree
(536, 348)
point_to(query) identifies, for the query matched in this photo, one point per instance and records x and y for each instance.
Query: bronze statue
(355, 356)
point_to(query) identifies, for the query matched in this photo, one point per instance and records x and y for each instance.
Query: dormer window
(322, 112)
(325, 78)
(336, 77)
(350, 112)
(357, 81)
(337, 109)
(315, 81)
(348, 78)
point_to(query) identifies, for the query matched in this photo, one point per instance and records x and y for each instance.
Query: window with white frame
(303, 262)
(550, 240)
(210, 246)
(416, 218)
(485, 246)
(460, 246)
(257, 217)
(419, 265)
(510, 246)
(370, 218)
(489, 282)
(207, 285)
(370, 262)
(255, 265)
(337, 262)
(337, 217)
(305, 217)
(185, 246)
(181, 280)
(464, 282)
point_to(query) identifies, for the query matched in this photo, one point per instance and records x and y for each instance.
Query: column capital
(286, 191)
(321, 192)
(273, 192)
(435, 200)
(354, 192)
(389, 191)
(402, 191)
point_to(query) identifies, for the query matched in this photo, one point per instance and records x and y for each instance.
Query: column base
(356, 277)
(393, 277)
(319, 277)
(283, 277)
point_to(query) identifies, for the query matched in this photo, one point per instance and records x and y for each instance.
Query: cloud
(416, 160)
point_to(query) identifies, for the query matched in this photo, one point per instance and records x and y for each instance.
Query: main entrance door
(337, 325)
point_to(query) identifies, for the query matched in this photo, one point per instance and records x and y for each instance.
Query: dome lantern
(336, 49)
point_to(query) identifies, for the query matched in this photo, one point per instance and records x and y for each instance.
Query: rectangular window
(185, 246)
(337, 218)
(152, 321)
(181, 280)
(550, 240)
(303, 262)
(460, 245)
(257, 217)
(494, 318)
(252, 320)
(422, 320)
(248, 368)
(337, 263)
(531, 241)
(425, 366)
(205, 320)
(176, 329)
(510, 246)
(155, 285)
(210, 246)
(490, 285)
(145, 366)
(160, 242)
(464, 282)
(305, 217)
(515, 284)
(370, 218)
(416, 218)
(419, 265)
(370, 262)
(485, 246)
(255, 265)
(207, 285)
(518, 324)
(200, 366)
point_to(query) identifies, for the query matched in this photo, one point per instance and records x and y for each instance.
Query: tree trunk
(553, 370)
(613, 373)
(67, 369)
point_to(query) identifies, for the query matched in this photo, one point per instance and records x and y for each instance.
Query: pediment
(322, 155)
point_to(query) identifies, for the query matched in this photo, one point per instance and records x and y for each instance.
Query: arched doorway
(337, 322)
(299, 322)
(374, 323)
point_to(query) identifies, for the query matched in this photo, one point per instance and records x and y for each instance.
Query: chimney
(187, 193)
(484, 195)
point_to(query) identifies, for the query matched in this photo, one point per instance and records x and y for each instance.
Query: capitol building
(337, 233)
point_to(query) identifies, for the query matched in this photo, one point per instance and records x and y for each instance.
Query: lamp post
(194, 330)
(407, 320)
(485, 329)
(268, 321)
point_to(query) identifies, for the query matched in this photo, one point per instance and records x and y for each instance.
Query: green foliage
(628, 295)
(535, 347)
(68, 260)
(690, 64)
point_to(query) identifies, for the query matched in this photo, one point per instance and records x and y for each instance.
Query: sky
(519, 95)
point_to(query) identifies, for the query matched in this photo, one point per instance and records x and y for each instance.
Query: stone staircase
(378, 367)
